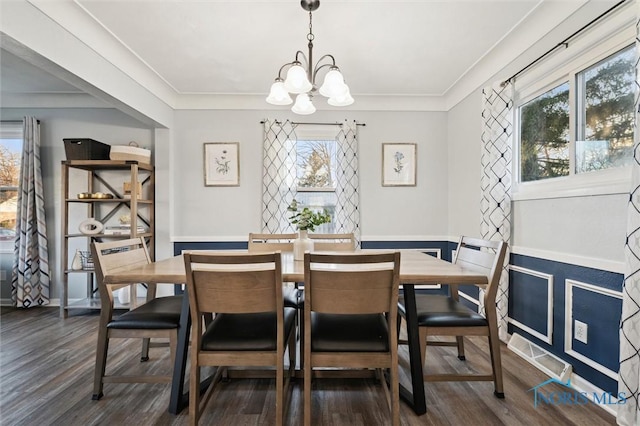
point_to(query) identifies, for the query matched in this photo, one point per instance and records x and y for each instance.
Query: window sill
(604, 182)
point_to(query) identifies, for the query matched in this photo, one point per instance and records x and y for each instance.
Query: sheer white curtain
(347, 217)
(278, 175)
(497, 135)
(629, 373)
(30, 277)
(279, 181)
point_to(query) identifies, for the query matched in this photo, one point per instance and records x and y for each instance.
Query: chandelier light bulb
(297, 81)
(303, 105)
(278, 94)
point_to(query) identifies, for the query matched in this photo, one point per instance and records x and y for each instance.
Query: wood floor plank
(46, 374)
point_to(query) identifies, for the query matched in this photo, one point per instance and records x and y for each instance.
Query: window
(605, 129)
(599, 100)
(544, 135)
(10, 156)
(316, 177)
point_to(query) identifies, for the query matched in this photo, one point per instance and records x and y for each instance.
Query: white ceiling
(382, 47)
(419, 48)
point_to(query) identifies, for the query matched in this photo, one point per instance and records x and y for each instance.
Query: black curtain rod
(316, 124)
(14, 121)
(564, 42)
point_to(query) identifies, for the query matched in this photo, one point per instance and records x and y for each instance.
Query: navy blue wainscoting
(572, 292)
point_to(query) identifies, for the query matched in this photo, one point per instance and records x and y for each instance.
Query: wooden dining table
(416, 267)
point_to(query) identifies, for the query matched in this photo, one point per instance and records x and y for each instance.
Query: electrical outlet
(580, 330)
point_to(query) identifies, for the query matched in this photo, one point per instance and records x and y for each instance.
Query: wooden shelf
(106, 164)
(140, 175)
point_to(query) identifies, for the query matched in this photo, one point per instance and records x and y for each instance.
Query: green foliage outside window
(544, 135)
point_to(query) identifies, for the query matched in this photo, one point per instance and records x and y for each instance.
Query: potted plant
(305, 220)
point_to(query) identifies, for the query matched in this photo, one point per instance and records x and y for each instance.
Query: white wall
(219, 213)
(464, 171)
(591, 227)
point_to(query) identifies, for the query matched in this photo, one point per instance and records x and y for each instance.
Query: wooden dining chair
(350, 315)
(251, 327)
(156, 318)
(444, 315)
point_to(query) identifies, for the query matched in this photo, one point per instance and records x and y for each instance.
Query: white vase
(76, 263)
(124, 295)
(301, 245)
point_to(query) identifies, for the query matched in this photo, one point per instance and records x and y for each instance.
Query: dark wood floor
(46, 373)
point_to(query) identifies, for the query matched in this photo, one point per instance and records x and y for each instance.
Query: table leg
(415, 399)
(178, 399)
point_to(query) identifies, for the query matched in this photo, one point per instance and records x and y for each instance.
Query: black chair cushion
(246, 332)
(159, 313)
(349, 333)
(443, 311)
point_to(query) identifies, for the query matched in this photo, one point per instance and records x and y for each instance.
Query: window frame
(565, 66)
(10, 131)
(312, 132)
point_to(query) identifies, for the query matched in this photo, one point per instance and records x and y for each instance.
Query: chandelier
(301, 77)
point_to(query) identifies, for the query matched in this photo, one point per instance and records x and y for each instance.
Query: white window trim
(592, 47)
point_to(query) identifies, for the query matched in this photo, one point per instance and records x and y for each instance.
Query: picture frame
(222, 164)
(399, 164)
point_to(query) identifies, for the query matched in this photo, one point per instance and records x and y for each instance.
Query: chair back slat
(487, 256)
(235, 292)
(333, 242)
(354, 292)
(351, 283)
(262, 243)
(234, 283)
(112, 256)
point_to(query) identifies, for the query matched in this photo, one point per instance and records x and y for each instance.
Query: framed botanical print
(399, 164)
(222, 164)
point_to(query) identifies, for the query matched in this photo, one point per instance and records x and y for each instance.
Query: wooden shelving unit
(105, 176)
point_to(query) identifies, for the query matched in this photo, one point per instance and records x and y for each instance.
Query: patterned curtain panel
(30, 277)
(348, 184)
(629, 373)
(279, 181)
(497, 116)
(278, 176)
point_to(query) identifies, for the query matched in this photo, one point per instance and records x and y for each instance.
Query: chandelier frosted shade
(302, 76)
(297, 81)
(333, 84)
(278, 94)
(343, 99)
(303, 105)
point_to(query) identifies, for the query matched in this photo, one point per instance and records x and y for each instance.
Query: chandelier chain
(310, 36)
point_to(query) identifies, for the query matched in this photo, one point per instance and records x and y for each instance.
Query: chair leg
(307, 387)
(280, 390)
(301, 331)
(496, 364)
(194, 392)
(395, 393)
(292, 353)
(101, 362)
(144, 356)
(460, 340)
